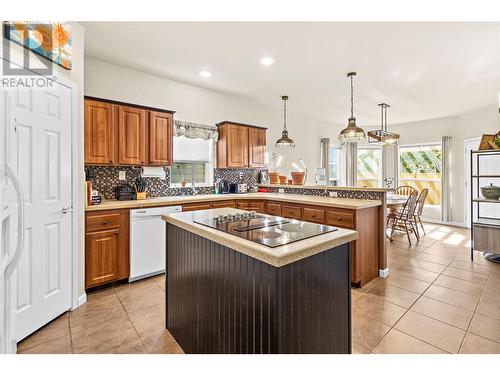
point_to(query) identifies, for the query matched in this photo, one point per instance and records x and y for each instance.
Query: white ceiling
(423, 70)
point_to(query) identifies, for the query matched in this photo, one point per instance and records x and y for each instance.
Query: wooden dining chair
(404, 190)
(420, 208)
(404, 219)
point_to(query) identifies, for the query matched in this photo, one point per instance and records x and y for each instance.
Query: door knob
(66, 209)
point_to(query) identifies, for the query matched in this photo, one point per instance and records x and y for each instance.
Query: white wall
(470, 125)
(197, 104)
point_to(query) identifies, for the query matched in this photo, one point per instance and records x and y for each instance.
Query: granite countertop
(332, 188)
(277, 256)
(353, 204)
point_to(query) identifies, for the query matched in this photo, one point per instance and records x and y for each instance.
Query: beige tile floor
(435, 300)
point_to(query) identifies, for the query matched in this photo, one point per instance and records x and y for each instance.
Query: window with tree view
(420, 167)
(369, 167)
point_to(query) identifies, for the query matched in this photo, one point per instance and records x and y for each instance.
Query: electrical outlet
(122, 175)
(281, 191)
(334, 194)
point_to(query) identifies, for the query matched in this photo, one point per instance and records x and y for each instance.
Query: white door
(39, 132)
(4, 258)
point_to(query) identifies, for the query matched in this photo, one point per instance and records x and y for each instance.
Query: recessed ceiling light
(267, 61)
(205, 73)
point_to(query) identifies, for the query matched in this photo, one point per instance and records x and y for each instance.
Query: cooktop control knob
(245, 215)
(253, 214)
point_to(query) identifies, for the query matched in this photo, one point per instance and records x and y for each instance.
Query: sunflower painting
(50, 40)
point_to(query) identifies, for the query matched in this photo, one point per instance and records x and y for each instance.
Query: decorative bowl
(491, 191)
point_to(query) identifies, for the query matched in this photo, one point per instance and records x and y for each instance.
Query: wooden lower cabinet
(291, 211)
(314, 215)
(196, 207)
(248, 205)
(273, 208)
(365, 250)
(224, 204)
(107, 236)
(106, 247)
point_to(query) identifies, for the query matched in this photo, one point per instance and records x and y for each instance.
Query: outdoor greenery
(423, 159)
(187, 172)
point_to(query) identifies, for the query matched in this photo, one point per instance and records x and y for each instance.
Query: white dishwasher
(147, 241)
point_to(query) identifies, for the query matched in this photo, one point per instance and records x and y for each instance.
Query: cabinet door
(132, 136)
(101, 257)
(160, 138)
(237, 146)
(256, 147)
(99, 134)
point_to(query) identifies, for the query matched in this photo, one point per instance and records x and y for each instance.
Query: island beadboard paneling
(222, 301)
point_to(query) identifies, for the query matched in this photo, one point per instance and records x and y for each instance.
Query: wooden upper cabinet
(99, 133)
(132, 136)
(237, 146)
(256, 147)
(240, 146)
(160, 138)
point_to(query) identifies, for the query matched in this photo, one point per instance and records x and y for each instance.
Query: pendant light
(284, 141)
(352, 133)
(383, 136)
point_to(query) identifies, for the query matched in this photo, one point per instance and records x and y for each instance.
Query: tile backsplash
(105, 179)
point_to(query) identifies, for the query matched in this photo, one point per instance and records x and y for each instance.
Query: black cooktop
(270, 231)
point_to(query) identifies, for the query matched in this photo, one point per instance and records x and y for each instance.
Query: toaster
(124, 192)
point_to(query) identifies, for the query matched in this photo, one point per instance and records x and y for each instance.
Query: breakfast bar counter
(235, 294)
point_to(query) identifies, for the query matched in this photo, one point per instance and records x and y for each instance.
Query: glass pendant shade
(352, 133)
(285, 140)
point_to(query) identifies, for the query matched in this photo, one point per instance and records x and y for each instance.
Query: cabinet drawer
(102, 222)
(196, 207)
(273, 209)
(291, 212)
(224, 204)
(251, 206)
(313, 214)
(340, 219)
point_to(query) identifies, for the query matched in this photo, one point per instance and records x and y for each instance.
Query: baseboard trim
(383, 273)
(80, 301)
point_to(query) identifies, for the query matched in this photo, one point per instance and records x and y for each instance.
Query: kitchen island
(227, 294)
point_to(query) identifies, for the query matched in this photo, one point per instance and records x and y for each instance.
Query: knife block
(140, 195)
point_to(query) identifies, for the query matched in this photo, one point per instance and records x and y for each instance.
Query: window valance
(194, 130)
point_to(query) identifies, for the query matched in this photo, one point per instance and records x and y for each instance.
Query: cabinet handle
(104, 222)
(339, 219)
(111, 161)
